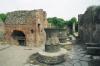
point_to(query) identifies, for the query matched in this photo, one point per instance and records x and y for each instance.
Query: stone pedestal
(65, 41)
(52, 54)
(52, 48)
(52, 58)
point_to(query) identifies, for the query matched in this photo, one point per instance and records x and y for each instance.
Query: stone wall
(30, 23)
(89, 25)
(1, 30)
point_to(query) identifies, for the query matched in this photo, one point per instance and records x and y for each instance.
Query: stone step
(96, 48)
(95, 51)
(92, 44)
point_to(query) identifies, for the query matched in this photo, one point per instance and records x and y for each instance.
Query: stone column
(74, 27)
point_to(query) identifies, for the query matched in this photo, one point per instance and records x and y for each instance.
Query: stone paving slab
(78, 57)
(2, 47)
(15, 55)
(18, 56)
(75, 57)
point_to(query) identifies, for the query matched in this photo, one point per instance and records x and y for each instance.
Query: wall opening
(19, 36)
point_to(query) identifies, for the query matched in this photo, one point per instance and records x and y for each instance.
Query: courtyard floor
(18, 56)
(14, 55)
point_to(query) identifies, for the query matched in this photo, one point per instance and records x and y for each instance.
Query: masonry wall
(89, 25)
(32, 26)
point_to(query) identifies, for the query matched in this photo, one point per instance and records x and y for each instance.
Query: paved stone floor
(77, 57)
(18, 56)
(14, 55)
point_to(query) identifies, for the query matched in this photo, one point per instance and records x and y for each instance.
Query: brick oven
(26, 28)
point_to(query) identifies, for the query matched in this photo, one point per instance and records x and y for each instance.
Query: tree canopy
(71, 21)
(58, 22)
(3, 17)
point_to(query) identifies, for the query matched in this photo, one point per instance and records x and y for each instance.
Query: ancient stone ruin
(26, 27)
(89, 25)
(89, 30)
(53, 53)
(1, 30)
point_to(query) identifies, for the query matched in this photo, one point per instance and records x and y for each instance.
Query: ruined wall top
(92, 15)
(89, 25)
(22, 17)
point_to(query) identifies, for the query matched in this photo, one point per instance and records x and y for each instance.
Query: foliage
(3, 17)
(0, 20)
(71, 21)
(58, 22)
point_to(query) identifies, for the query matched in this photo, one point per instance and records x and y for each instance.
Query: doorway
(19, 36)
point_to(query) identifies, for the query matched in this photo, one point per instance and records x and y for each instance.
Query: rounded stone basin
(52, 58)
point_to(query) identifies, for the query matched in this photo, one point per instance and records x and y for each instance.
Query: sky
(54, 8)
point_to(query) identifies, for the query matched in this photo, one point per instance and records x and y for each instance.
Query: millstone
(52, 58)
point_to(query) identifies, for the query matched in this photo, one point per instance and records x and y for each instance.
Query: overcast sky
(59, 8)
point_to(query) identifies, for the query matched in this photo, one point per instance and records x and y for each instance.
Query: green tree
(58, 22)
(3, 17)
(70, 23)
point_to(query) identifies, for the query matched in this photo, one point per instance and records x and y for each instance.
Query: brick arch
(19, 36)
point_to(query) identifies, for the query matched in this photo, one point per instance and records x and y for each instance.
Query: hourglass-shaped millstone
(53, 54)
(62, 37)
(52, 43)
